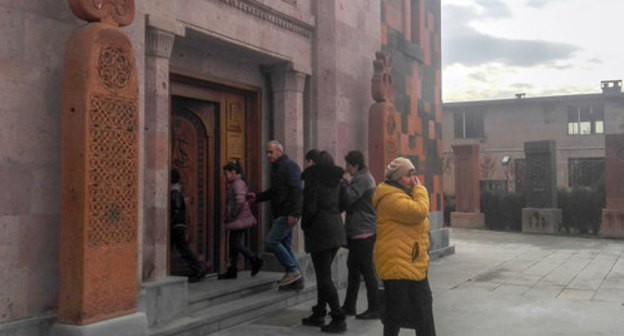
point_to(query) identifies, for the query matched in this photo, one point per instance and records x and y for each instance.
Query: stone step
(214, 304)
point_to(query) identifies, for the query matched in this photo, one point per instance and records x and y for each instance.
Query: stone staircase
(213, 305)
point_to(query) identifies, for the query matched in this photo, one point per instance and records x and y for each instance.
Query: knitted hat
(398, 168)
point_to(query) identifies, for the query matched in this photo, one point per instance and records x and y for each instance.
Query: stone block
(17, 188)
(467, 220)
(39, 325)
(128, 325)
(541, 220)
(440, 244)
(164, 300)
(436, 220)
(612, 223)
(438, 239)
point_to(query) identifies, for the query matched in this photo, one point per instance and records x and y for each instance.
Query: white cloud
(547, 47)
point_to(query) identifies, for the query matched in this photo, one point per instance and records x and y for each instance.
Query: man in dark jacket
(285, 197)
(178, 229)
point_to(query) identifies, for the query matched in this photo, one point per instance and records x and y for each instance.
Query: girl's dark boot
(337, 325)
(317, 319)
(230, 274)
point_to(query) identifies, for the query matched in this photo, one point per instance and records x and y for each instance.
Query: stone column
(613, 214)
(541, 214)
(160, 36)
(163, 298)
(467, 212)
(288, 87)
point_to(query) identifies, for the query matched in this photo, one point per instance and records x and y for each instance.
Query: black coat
(321, 222)
(285, 190)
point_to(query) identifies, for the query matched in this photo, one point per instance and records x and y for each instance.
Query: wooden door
(212, 125)
(193, 154)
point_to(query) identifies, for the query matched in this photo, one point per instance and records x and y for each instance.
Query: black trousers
(236, 242)
(178, 239)
(408, 304)
(325, 288)
(360, 263)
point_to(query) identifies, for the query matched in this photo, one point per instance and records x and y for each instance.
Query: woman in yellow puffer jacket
(402, 250)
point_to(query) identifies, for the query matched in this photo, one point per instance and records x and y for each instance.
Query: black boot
(348, 310)
(390, 329)
(370, 314)
(230, 274)
(317, 319)
(198, 276)
(337, 325)
(256, 266)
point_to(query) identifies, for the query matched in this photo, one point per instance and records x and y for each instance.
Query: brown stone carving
(467, 178)
(115, 12)
(384, 121)
(99, 170)
(614, 169)
(541, 176)
(612, 223)
(381, 84)
(613, 215)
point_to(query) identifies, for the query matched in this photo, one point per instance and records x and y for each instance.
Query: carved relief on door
(210, 128)
(191, 153)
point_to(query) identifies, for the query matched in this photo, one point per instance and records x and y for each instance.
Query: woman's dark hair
(313, 155)
(233, 166)
(175, 176)
(356, 158)
(325, 159)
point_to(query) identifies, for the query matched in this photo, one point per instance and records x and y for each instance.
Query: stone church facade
(215, 80)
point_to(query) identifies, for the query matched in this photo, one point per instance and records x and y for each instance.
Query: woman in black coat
(324, 234)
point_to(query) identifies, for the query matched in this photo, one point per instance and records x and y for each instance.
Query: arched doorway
(210, 126)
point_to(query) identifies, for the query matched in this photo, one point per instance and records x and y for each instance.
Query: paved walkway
(503, 284)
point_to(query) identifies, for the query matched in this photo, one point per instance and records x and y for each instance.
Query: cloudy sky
(494, 49)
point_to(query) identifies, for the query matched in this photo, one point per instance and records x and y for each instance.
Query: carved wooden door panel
(209, 128)
(192, 152)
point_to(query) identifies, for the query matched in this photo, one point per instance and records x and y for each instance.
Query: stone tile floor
(503, 284)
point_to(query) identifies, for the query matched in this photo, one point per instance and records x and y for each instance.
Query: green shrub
(581, 209)
(502, 212)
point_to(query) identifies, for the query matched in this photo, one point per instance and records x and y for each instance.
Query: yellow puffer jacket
(402, 244)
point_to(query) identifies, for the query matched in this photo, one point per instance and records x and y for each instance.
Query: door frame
(185, 84)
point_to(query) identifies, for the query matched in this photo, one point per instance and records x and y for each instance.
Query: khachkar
(384, 121)
(613, 215)
(98, 277)
(467, 212)
(541, 214)
(384, 145)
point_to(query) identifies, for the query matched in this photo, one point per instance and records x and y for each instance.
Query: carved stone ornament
(381, 84)
(114, 12)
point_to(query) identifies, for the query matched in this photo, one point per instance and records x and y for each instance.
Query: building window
(588, 119)
(468, 125)
(585, 172)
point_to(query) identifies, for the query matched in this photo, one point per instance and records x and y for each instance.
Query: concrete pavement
(502, 284)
